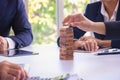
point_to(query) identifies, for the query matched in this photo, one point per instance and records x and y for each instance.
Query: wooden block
(66, 43)
(66, 57)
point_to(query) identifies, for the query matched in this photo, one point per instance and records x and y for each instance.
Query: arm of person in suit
(89, 14)
(21, 27)
(81, 22)
(91, 43)
(99, 27)
(108, 29)
(105, 28)
(113, 30)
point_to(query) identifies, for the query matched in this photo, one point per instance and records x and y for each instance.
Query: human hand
(3, 45)
(85, 38)
(72, 18)
(90, 43)
(10, 71)
(78, 44)
(78, 20)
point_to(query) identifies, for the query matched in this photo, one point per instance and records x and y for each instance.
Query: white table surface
(86, 65)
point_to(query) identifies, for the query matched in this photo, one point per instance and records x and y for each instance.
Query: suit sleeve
(21, 27)
(115, 43)
(113, 30)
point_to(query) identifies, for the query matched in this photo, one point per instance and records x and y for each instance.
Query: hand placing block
(66, 43)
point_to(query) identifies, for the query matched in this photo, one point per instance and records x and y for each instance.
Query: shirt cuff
(11, 43)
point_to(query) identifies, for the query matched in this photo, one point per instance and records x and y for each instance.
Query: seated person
(100, 11)
(13, 15)
(10, 71)
(108, 29)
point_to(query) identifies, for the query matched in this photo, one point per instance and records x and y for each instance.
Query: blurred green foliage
(42, 16)
(74, 6)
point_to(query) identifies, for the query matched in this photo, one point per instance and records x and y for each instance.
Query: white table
(87, 66)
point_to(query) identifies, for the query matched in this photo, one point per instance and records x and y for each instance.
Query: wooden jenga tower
(66, 43)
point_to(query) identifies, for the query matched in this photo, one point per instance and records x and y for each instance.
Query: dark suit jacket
(93, 12)
(13, 14)
(113, 30)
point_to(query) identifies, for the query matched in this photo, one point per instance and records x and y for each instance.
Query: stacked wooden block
(66, 43)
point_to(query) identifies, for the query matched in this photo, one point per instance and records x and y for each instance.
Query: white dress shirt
(105, 14)
(11, 43)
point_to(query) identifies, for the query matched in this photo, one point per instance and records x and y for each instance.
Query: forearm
(22, 39)
(105, 43)
(98, 27)
(78, 44)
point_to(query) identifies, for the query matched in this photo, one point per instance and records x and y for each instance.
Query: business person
(104, 10)
(13, 15)
(10, 71)
(108, 29)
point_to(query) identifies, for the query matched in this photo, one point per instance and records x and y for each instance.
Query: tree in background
(42, 16)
